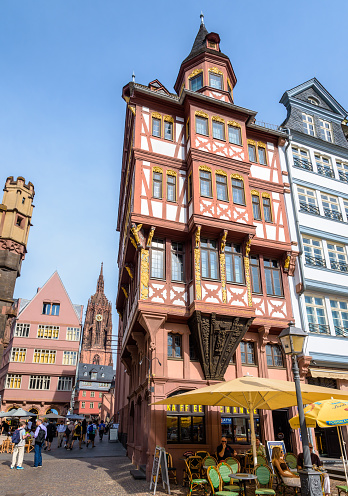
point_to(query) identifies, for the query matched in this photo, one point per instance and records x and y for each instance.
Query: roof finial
(202, 18)
(100, 283)
(133, 77)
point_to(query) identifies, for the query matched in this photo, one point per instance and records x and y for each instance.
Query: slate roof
(200, 46)
(107, 370)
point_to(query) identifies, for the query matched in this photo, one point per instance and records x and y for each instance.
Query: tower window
(234, 135)
(196, 83)
(157, 258)
(177, 261)
(20, 221)
(234, 263)
(215, 81)
(255, 274)
(218, 130)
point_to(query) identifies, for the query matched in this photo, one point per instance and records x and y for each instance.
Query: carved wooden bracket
(216, 338)
(149, 239)
(303, 363)
(133, 350)
(130, 270)
(139, 338)
(138, 235)
(263, 337)
(290, 262)
(127, 363)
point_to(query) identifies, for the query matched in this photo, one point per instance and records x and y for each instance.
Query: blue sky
(62, 68)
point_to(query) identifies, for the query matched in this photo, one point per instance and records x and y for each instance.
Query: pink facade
(39, 364)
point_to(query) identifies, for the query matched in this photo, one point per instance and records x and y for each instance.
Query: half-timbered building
(204, 258)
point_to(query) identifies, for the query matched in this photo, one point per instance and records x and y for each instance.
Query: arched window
(185, 423)
(96, 360)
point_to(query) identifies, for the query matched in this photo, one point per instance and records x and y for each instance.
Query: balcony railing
(307, 207)
(338, 265)
(333, 214)
(303, 163)
(316, 261)
(319, 328)
(324, 170)
(267, 125)
(341, 331)
(343, 176)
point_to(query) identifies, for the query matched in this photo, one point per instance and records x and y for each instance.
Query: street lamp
(292, 339)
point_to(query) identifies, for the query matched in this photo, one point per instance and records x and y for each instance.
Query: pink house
(39, 364)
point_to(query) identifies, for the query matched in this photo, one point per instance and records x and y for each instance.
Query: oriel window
(196, 82)
(267, 211)
(209, 259)
(218, 130)
(215, 81)
(178, 255)
(156, 127)
(262, 155)
(272, 276)
(234, 263)
(205, 183)
(189, 184)
(234, 135)
(221, 187)
(252, 153)
(168, 130)
(171, 187)
(238, 191)
(157, 185)
(255, 274)
(202, 126)
(255, 199)
(157, 259)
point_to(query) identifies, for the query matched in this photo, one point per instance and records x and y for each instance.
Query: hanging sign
(159, 462)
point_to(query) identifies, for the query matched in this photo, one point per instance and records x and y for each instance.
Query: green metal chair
(342, 490)
(186, 477)
(291, 460)
(261, 460)
(235, 467)
(264, 480)
(215, 482)
(202, 454)
(193, 470)
(227, 483)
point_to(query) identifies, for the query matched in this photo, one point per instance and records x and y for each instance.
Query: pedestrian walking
(18, 439)
(101, 430)
(84, 430)
(51, 432)
(5, 428)
(61, 433)
(91, 433)
(69, 434)
(77, 435)
(40, 436)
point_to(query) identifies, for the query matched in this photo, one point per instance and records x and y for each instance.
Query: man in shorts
(91, 433)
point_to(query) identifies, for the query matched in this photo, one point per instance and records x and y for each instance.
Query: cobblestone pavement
(102, 471)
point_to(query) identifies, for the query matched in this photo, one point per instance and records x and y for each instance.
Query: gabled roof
(105, 373)
(157, 86)
(290, 95)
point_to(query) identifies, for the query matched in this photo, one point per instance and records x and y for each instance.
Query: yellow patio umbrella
(253, 393)
(332, 412)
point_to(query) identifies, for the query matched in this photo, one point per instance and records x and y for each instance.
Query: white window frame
(324, 329)
(46, 357)
(341, 329)
(314, 246)
(83, 404)
(73, 334)
(69, 357)
(331, 206)
(18, 354)
(13, 381)
(38, 381)
(47, 332)
(306, 204)
(91, 404)
(307, 123)
(338, 258)
(22, 330)
(342, 168)
(325, 130)
(65, 383)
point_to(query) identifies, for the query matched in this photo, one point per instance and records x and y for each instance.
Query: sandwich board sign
(159, 462)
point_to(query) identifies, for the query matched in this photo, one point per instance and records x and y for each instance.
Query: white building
(316, 161)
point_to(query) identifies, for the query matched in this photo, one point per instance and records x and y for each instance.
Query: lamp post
(292, 339)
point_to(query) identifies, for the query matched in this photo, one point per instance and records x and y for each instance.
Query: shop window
(178, 254)
(205, 183)
(238, 191)
(255, 274)
(185, 424)
(157, 258)
(174, 345)
(235, 425)
(274, 355)
(157, 178)
(272, 276)
(221, 187)
(234, 263)
(247, 352)
(209, 259)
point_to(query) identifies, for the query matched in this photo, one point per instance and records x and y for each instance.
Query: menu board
(159, 462)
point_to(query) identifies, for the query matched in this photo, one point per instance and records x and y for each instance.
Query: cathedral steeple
(100, 284)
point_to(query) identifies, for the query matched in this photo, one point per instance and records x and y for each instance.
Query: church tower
(97, 330)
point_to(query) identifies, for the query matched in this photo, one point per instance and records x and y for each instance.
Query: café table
(244, 478)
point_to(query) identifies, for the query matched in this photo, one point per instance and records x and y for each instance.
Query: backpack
(16, 436)
(90, 429)
(40, 438)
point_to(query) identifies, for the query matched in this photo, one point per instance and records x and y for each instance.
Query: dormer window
(196, 82)
(212, 44)
(313, 101)
(215, 81)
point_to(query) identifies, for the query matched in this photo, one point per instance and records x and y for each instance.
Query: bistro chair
(215, 482)
(264, 481)
(249, 463)
(171, 469)
(193, 470)
(262, 460)
(202, 454)
(208, 461)
(341, 489)
(291, 460)
(227, 483)
(235, 466)
(282, 483)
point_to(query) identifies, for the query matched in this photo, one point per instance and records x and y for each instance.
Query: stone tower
(15, 221)
(97, 330)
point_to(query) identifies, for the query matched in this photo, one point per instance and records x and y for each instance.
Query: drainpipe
(297, 227)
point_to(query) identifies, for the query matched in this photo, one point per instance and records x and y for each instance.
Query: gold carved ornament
(129, 270)
(157, 169)
(237, 176)
(234, 124)
(144, 274)
(171, 173)
(260, 144)
(135, 231)
(125, 292)
(287, 263)
(198, 236)
(254, 192)
(204, 168)
(229, 84)
(149, 239)
(221, 172)
(120, 315)
(194, 73)
(133, 242)
(251, 142)
(200, 113)
(168, 118)
(156, 115)
(198, 263)
(181, 89)
(215, 70)
(216, 118)
(223, 266)
(132, 109)
(247, 272)
(223, 241)
(266, 195)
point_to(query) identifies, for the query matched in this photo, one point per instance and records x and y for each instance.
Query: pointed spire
(133, 77)
(202, 18)
(100, 284)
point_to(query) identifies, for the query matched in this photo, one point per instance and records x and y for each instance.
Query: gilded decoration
(223, 241)
(204, 168)
(223, 277)
(198, 263)
(260, 144)
(125, 292)
(200, 113)
(132, 109)
(247, 272)
(194, 73)
(133, 242)
(234, 124)
(181, 89)
(156, 115)
(251, 142)
(215, 70)
(171, 173)
(229, 84)
(254, 192)
(237, 176)
(157, 169)
(266, 195)
(135, 230)
(144, 275)
(129, 270)
(120, 315)
(287, 263)
(218, 119)
(221, 172)
(168, 118)
(149, 239)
